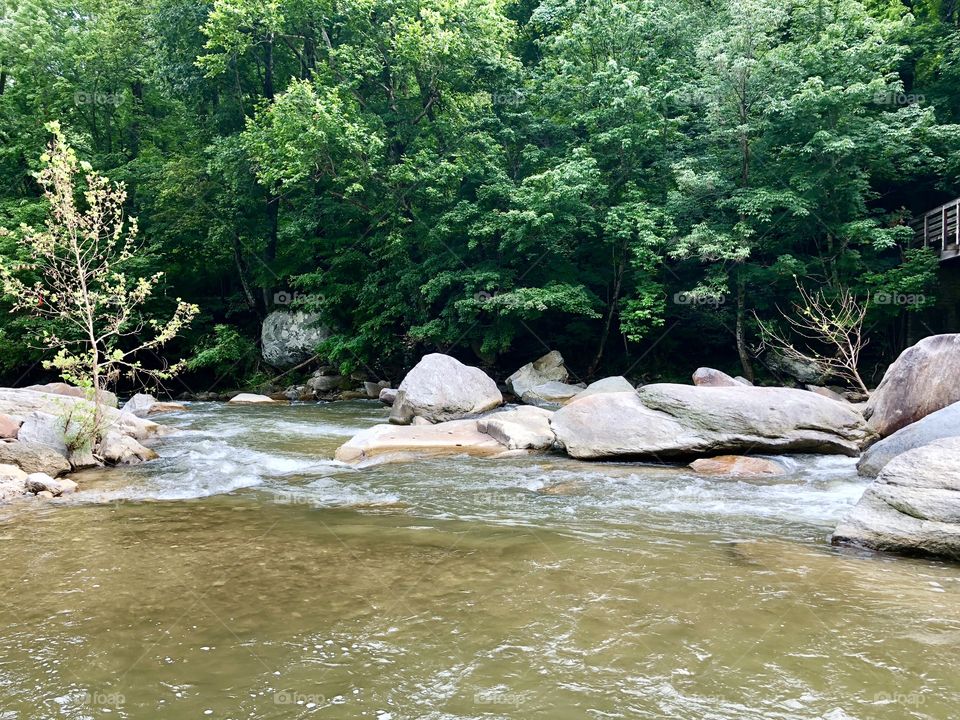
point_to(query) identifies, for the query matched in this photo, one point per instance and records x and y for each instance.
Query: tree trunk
(742, 350)
(615, 296)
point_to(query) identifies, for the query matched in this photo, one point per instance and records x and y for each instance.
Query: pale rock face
(937, 425)
(291, 337)
(521, 428)
(251, 399)
(548, 368)
(139, 405)
(551, 395)
(919, 382)
(709, 377)
(663, 421)
(60, 388)
(913, 506)
(33, 458)
(392, 443)
(117, 449)
(616, 383)
(441, 388)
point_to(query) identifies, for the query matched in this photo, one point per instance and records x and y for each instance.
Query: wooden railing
(940, 229)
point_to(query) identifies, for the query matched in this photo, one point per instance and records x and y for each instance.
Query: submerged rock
(551, 395)
(291, 337)
(941, 424)
(665, 420)
(521, 428)
(442, 388)
(549, 368)
(912, 507)
(393, 443)
(737, 466)
(919, 382)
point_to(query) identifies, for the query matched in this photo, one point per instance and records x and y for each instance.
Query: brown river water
(247, 575)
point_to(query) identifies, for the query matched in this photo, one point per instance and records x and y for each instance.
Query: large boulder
(548, 368)
(139, 405)
(118, 449)
(441, 388)
(33, 458)
(251, 399)
(708, 377)
(392, 443)
(921, 381)
(520, 428)
(551, 395)
(617, 383)
(21, 401)
(665, 420)
(59, 388)
(291, 337)
(941, 424)
(912, 507)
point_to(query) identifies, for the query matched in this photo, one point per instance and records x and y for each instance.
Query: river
(247, 575)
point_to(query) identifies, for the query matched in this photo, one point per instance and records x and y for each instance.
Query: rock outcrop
(117, 449)
(33, 458)
(291, 337)
(919, 382)
(394, 443)
(549, 368)
(441, 388)
(913, 506)
(708, 377)
(938, 425)
(60, 388)
(617, 383)
(664, 421)
(551, 395)
(521, 428)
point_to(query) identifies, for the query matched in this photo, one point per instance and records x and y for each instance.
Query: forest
(640, 184)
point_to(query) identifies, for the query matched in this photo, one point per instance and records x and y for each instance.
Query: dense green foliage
(629, 182)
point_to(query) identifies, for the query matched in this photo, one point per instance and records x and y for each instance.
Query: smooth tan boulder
(398, 443)
(119, 449)
(737, 466)
(919, 382)
(441, 388)
(913, 507)
(9, 426)
(667, 421)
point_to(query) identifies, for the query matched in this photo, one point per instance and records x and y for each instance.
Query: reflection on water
(245, 575)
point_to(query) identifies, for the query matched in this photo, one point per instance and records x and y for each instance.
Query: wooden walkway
(940, 230)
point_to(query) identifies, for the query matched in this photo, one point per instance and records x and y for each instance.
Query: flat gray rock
(941, 424)
(913, 507)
